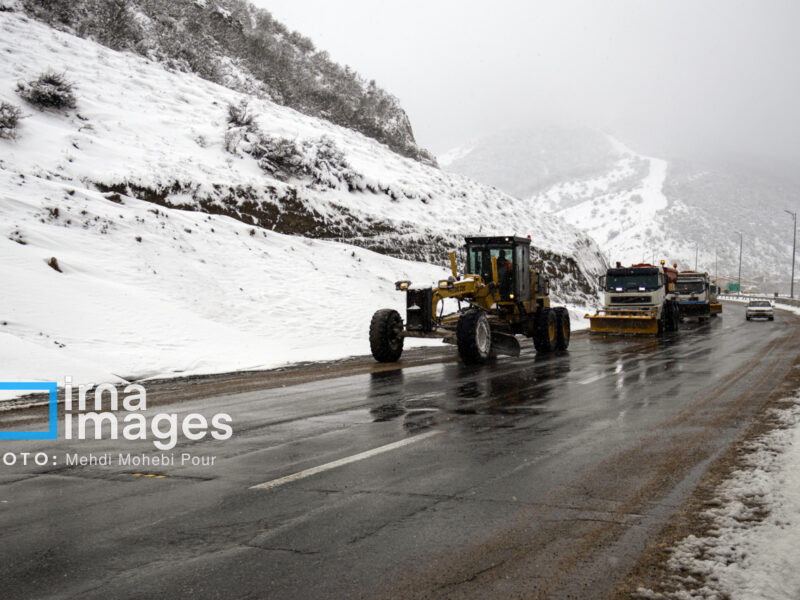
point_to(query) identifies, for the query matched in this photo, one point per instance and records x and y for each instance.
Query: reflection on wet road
(605, 370)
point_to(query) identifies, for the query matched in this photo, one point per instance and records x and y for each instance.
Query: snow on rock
(751, 552)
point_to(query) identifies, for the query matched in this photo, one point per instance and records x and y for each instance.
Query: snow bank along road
(527, 478)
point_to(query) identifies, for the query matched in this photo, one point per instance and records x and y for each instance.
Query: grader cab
(498, 296)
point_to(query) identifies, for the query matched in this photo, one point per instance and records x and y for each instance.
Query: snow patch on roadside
(751, 551)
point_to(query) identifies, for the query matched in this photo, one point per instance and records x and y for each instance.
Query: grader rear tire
(384, 339)
(545, 333)
(474, 337)
(562, 328)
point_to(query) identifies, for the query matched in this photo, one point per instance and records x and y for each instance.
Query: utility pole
(794, 245)
(696, 249)
(716, 270)
(740, 263)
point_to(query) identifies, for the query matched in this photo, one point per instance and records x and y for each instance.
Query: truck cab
(638, 287)
(637, 299)
(693, 290)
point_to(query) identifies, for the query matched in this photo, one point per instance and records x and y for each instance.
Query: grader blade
(624, 323)
(503, 343)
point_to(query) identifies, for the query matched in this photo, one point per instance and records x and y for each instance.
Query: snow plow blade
(716, 308)
(637, 323)
(505, 344)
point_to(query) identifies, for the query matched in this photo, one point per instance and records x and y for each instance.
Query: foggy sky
(676, 79)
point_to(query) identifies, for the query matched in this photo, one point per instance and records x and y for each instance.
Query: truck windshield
(690, 287)
(624, 283)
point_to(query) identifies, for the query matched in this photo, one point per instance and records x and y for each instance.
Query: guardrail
(773, 299)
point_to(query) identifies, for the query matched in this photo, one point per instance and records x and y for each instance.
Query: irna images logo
(126, 417)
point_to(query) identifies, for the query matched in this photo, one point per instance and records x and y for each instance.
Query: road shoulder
(653, 571)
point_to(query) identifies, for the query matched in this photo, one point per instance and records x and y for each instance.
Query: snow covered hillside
(644, 208)
(242, 47)
(166, 200)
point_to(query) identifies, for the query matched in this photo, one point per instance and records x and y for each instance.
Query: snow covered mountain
(180, 215)
(641, 208)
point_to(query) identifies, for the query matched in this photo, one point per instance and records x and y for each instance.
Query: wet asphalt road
(529, 477)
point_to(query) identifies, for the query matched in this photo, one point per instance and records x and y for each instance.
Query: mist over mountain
(524, 161)
(647, 208)
(722, 200)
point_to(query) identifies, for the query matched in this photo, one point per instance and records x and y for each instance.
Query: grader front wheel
(384, 335)
(474, 337)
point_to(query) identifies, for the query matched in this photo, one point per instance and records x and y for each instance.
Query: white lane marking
(268, 485)
(593, 378)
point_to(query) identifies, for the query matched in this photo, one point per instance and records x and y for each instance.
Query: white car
(759, 309)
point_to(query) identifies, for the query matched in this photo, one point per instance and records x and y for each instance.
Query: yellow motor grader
(498, 296)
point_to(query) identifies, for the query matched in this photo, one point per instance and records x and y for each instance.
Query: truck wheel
(474, 337)
(676, 317)
(562, 328)
(545, 334)
(385, 340)
(670, 318)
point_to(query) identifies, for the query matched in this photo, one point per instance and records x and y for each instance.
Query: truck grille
(631, 299)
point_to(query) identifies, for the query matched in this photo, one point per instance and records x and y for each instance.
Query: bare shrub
(49, 90)
(9, 120)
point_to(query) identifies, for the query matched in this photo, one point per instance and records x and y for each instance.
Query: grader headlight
(402, 285)
(445, 284)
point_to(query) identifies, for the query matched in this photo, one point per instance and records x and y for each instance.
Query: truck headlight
(402, 285)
